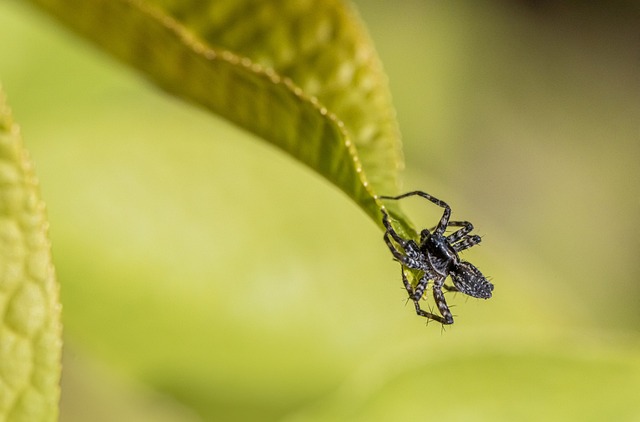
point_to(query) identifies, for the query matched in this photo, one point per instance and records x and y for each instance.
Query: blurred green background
(207, 276)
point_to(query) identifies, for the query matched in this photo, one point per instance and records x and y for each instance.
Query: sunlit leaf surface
(300, 74)
(30, 330)
(213, 269)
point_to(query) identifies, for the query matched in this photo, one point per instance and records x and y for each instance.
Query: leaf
(542, 383)
(302, 75)
(30, 329)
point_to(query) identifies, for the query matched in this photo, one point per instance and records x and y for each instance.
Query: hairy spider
(436, 257)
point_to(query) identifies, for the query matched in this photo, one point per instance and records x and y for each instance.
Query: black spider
(436, 257)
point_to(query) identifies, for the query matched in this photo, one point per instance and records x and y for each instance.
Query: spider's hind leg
(430, 315)
(441, 303)
(415, 294)
(446, 317)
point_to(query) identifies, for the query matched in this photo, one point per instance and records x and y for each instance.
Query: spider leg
(406, 283)
(430, 315)
(410, 256)
(399, 256)
(438, 296)
(459, 234)
(421, 286)
(418, 292)
(446, 317)
(444, 221)
(391, 231)
(466, 242)
(424, 234)
(461, 239)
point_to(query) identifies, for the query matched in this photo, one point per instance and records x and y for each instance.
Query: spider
(436, 257)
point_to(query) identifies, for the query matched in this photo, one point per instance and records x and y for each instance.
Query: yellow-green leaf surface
(30, 330)
(300, 74)
(537, 384)
(180, 269)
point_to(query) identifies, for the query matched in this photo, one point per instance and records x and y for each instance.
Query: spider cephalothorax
(436, 258)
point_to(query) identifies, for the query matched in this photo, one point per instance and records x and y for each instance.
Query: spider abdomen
(469, 280)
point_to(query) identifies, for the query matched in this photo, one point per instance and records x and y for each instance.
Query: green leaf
(302, 75)
(542, 383)
(30, 329)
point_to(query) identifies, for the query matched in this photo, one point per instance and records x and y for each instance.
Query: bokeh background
(207, 276)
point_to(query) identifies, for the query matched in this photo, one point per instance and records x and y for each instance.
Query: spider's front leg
(461, 239)
(444, 220)
(466, 228)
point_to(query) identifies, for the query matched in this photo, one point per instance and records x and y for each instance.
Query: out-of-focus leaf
(30, 330)
(302, 75)
(534, 385)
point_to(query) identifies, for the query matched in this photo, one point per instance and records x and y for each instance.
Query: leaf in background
(537, 384)
(300, 74)
(30, 330)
